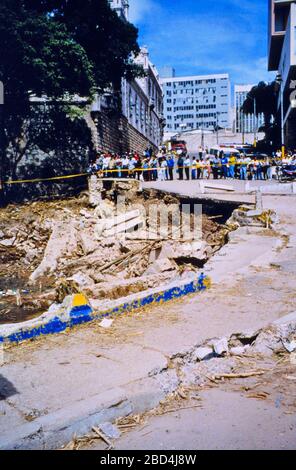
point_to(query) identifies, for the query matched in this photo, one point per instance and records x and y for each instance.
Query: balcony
(279, 12)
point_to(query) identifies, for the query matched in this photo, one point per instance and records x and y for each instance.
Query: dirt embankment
(51, 249)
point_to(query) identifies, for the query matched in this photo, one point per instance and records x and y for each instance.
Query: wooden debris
(259, 395)
(103, 437)
(175, 410)
(242, 375)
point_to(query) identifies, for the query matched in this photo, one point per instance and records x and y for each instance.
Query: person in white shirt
(125, 165)
(162, 170)
(131, 167)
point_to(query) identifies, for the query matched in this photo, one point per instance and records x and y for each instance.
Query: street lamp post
(279, 80)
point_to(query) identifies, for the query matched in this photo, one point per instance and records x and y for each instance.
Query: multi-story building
(121, 7)
(245, 123)
(197, 102)
(142, 101)
(142, 98)
(282, 58)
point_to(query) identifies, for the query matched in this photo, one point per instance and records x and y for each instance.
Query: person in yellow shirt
(231, 170)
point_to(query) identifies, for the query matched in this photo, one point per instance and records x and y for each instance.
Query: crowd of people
(167, 166)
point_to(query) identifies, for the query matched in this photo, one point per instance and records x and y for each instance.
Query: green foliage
(266, 95)
(108, 41)
(58, 48)
(74, 112)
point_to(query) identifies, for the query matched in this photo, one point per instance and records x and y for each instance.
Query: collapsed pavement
(53, 249)
(254, 364)
(115, 371)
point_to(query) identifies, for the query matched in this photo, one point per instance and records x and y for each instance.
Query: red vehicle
(178, 146)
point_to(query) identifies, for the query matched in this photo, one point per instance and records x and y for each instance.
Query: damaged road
(49, 250)
(65, 385)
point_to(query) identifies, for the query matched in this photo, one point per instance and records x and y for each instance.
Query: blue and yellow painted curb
(76, 310)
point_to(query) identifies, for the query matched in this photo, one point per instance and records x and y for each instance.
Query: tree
(57, 48)
(37, 57)
(266, 95)
(109, 42)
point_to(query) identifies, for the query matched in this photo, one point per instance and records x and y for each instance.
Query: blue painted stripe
(85, 314)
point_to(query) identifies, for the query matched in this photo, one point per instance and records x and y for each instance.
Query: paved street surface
(226, 421)
(241, 188)
(54, 383)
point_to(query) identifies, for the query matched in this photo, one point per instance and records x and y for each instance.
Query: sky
(206, 36)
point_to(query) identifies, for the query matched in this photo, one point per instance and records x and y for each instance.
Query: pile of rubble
(244, 216)
(51, 249)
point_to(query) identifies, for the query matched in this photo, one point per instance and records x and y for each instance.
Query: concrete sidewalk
(61, 385)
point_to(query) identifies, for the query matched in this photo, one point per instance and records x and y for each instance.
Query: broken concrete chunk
(109, 430)
(62, 240)
(86, 214)
(268, 342)
(124, 227)
(106, 323)
(105, 210)
(201, 354)
(290, 347)
(221, 346)
(122, 218)
(160, 266)
(88, 242)
(83, 280)
(95, 187)
(8, 242)
(238, 351)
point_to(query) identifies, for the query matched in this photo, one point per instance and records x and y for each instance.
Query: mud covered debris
(51, 249)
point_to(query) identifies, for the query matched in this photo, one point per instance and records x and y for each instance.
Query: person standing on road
(199, 169)
(125, 164)
(171, 166)
(215, 167)
(187, 167)
(231, 169)
(153, 165)
(243, 167)
(162, 169)
(181, 168)
(194, 169)
(224, 163)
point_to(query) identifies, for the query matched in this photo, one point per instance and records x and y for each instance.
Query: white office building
(197, 102)
(245, 123)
